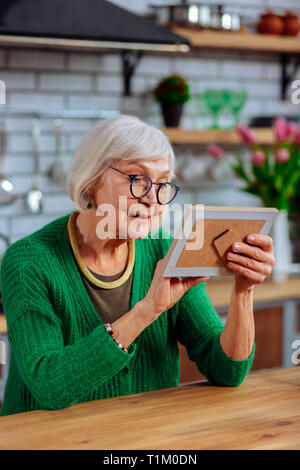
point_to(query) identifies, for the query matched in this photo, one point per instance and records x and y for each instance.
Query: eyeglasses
(141, 184)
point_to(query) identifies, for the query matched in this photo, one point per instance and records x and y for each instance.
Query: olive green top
(110, 304)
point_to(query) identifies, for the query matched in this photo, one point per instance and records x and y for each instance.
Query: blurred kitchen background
(40, 81)
(55, 94)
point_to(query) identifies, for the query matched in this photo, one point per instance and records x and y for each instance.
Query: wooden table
(262, 413)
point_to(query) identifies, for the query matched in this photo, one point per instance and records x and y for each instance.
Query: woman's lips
(137, 213)
(138, 216)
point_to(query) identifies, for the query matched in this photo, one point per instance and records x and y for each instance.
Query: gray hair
(121, 137)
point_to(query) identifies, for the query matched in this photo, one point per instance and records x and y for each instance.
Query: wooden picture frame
(221, 226)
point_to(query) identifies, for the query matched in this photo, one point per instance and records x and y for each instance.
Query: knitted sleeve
(198, 328)
(57, 375)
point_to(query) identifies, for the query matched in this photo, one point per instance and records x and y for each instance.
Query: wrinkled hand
(252, 262)
(164, 292)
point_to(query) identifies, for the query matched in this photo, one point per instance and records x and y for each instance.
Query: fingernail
(237, 246)
(251, 238)
(230, 255)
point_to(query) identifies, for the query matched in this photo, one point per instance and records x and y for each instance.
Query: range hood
(87, 24)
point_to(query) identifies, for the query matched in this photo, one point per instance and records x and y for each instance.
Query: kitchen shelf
(287, 47)
(179, 136)
(244, 40)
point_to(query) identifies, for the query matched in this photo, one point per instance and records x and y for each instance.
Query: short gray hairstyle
(121, 137)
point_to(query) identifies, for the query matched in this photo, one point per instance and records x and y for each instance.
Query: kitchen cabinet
(268, 344)
(277, 323)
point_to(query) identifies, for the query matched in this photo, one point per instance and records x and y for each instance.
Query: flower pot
(291, 24)
(270, 23)
(294, 220)
(172, 113)
(280, 233)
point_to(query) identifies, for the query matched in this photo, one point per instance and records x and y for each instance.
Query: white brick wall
(242, 69)
(87, 62)
(44, 80)
(93, 101)
(37, 60)
(65, 82)
(34, 100)
(13, 82)
(2, 58)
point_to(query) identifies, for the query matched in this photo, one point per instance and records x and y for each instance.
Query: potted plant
(274, 177)
(275, 172)
(172, 92)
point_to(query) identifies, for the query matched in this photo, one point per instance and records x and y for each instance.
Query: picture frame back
(219, 227)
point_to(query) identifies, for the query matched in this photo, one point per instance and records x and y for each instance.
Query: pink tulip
(282, 155)
(258, 157)
(280, 128)
(246, 134)
(296, 139)
(284, 129)
(215, 151)
(292, 128)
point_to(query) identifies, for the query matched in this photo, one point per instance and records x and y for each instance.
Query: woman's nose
(150, 197)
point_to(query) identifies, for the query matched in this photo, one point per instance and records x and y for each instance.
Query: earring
(89, 206)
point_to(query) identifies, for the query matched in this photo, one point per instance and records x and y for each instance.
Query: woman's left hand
(252, 260)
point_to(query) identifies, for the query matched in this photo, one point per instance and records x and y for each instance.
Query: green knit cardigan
(60, 351)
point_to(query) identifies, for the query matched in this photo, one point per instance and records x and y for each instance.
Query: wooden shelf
(244, 40)
(179, 136)
(3, 327)
(219, 291)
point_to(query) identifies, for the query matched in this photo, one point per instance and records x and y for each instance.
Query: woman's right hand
(164, 292)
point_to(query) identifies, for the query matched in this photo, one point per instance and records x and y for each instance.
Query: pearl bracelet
(110, 331)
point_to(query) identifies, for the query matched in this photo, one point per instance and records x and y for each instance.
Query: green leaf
(239, 168)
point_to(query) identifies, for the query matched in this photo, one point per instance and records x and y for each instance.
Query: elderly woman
(89, 314)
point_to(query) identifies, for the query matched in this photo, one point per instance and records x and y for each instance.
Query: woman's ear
(92, 189)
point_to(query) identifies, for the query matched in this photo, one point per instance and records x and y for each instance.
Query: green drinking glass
(235, 101)
(214, 101)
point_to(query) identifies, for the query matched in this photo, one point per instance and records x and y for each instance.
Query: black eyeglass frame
(132, 178)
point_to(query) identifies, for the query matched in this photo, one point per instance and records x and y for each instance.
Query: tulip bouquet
(275, 172)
